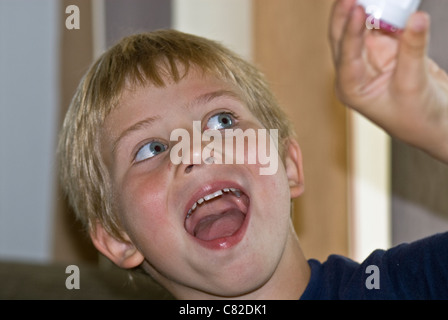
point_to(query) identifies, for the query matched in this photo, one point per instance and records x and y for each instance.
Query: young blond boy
(208, 229)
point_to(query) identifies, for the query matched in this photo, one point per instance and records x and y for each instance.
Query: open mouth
(218, 214)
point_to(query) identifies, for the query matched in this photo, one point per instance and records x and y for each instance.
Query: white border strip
(370, 218)
(226, 21)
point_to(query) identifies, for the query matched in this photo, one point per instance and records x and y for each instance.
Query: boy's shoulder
(417, 270)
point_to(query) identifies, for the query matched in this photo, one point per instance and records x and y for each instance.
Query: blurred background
(363, 190)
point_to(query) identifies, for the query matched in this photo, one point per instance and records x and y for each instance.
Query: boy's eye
(150, 150)
(220, 121)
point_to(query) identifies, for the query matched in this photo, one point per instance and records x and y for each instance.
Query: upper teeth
(213, 195)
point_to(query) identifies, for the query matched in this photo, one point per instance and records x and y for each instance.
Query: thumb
(411, 58)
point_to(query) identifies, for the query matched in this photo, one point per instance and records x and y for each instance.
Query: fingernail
(419, 22)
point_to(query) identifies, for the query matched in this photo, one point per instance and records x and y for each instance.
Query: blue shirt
(418, 270)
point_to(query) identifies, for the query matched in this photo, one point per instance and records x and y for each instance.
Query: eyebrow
(135, 127)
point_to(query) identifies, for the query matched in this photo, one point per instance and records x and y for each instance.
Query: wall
(28, 117)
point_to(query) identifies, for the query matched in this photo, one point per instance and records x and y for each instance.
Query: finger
(411, 61)
(340, 14)
(350, 65)
(352, 42)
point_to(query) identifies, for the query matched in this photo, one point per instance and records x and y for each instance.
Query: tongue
(220, 225)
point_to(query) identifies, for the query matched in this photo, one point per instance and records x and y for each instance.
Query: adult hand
(389, 78)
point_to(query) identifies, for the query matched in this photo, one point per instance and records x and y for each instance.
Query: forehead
(160, 100)
(186, 89)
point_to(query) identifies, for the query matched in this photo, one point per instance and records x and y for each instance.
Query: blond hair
(148, 58)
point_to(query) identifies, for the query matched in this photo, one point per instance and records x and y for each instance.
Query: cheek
(267, 152)
(274, 190)
(274, 200)
(143, 207)
(252, 145)
(152, 227)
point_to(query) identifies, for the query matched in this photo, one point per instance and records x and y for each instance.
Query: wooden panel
(291, 48)
(70, 243)
(123, 19)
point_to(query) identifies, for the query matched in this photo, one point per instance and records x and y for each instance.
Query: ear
(294, 168)
(121, 252)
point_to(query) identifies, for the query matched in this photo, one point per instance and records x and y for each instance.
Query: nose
(193, 149)
(209, 160)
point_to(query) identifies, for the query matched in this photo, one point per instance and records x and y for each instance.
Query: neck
(291, 277)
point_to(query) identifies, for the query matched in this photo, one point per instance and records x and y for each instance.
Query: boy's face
(228, 245)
